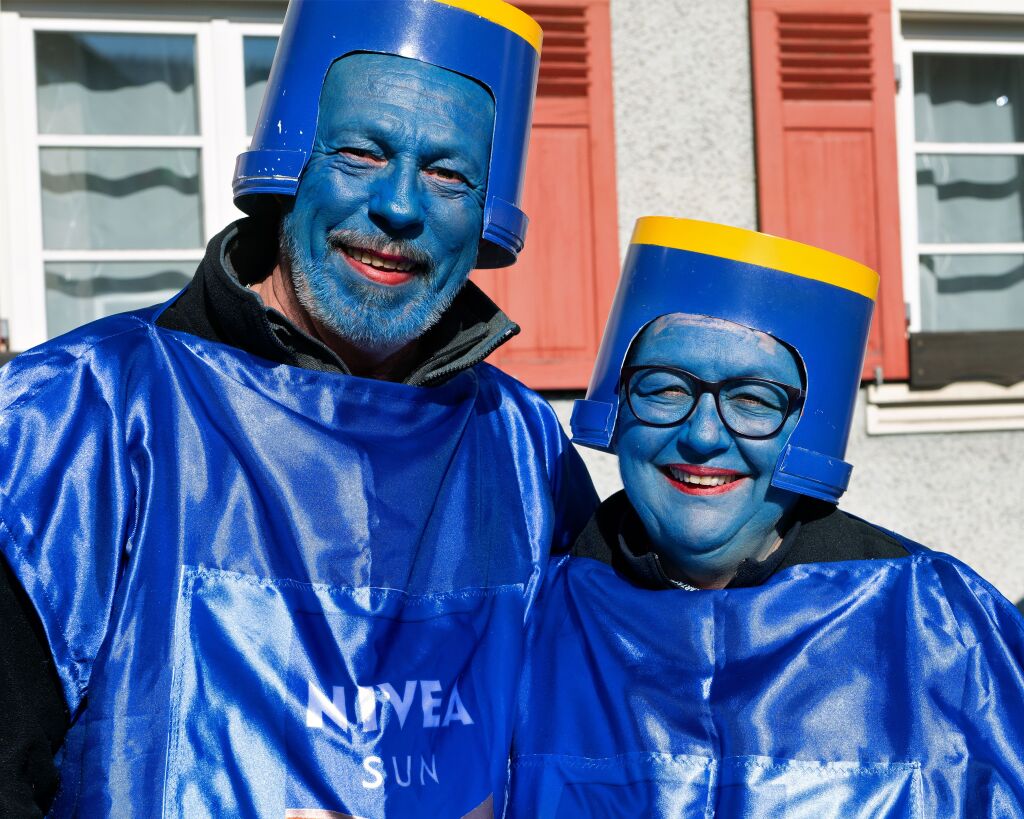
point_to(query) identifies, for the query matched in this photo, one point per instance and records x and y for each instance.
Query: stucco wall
(684, 123)
(959, 493)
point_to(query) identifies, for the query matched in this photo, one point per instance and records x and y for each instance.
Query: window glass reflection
(120, 199)
(79, 292)
(968, 98)
(970, 198)
(972, 292)
(99, 83)
(259, 56)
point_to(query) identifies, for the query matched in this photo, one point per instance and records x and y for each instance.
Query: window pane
(972, 292)
(969, 198)
(968, 98)
(79, 292)
(120, 199)
(116, 83)
(259, 55)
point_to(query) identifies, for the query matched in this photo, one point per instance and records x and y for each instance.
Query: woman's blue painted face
(703, 493)
(387, 219)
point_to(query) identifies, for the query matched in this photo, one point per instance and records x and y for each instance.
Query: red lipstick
(702, 480)
(390, 278)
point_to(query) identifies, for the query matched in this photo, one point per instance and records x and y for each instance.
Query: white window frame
(220, 90)
(966, 406)
(910, 149)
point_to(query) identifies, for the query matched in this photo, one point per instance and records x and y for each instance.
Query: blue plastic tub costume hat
(817, 302)
(489, 41)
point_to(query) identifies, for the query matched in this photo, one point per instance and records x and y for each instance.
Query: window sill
(967, 406)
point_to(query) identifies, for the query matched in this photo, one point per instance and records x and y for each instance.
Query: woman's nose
(704, 431)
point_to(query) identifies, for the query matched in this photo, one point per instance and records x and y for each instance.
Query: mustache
(347, 237)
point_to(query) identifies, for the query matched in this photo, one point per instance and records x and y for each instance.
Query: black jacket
(818, 533)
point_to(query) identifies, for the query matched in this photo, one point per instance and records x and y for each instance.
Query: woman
(723, 641)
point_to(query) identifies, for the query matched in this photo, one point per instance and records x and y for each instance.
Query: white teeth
(701, 480)
(374, 260)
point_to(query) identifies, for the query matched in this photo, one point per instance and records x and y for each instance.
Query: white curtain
(964, 293)
(120, 199)
(116, 83)
(124, 198)
(259, 55)
(970, 198)
(79, 292)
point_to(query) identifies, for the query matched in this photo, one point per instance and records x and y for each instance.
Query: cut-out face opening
(706, 408)
(386, 222)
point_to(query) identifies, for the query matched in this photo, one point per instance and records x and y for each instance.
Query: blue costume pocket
(299, 698)
(664, 786)
(762, 788)
(648, 785)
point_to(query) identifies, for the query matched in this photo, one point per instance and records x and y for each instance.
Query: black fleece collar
(819, 533)
(217, 306)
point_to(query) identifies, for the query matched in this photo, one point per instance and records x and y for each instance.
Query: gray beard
(370, 321)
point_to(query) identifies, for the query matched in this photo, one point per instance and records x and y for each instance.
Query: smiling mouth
(382, 268)
(695, 480)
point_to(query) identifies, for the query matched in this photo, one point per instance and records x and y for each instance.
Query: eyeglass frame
(794, 395)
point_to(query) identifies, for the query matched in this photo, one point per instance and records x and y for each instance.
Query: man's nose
(396, 201)
(704, 432)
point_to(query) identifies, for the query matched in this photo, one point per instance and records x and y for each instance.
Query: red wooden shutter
(561, 289)
(824, 92)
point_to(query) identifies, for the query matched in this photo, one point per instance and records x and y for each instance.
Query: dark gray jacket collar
(817, 533)
(217, 306)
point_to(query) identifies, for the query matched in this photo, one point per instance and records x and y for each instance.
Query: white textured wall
(960, 493)
(683, 115)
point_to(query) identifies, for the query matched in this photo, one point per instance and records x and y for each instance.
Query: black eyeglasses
(749, 407)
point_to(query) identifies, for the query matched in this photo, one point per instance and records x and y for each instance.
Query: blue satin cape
(269, 589)
(849, 690)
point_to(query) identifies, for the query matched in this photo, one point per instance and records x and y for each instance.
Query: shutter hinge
(879, 379)
(5, 336)
(898, 74)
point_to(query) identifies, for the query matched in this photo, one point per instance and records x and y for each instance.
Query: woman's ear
(621, 412)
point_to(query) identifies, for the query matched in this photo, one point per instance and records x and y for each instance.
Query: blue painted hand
(697, 458)
(386, 222)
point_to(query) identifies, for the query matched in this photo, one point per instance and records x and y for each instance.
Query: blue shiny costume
(874, 688)
(268, 588)
(854, 689)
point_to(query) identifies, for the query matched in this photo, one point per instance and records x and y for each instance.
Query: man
(272, 544)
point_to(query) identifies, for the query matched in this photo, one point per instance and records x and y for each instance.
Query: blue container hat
(816, 302)
(489, 41)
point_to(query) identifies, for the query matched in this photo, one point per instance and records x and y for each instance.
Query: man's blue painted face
(703, 493)
(387, 219)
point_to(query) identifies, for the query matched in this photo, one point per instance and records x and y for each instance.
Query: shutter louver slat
(571, 252)
(564, 62)
(825, 57)
(826, 144)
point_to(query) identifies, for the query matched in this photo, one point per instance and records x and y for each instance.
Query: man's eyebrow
(350, 124)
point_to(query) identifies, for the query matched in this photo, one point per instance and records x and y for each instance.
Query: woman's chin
(700, 555)
(701, 539)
